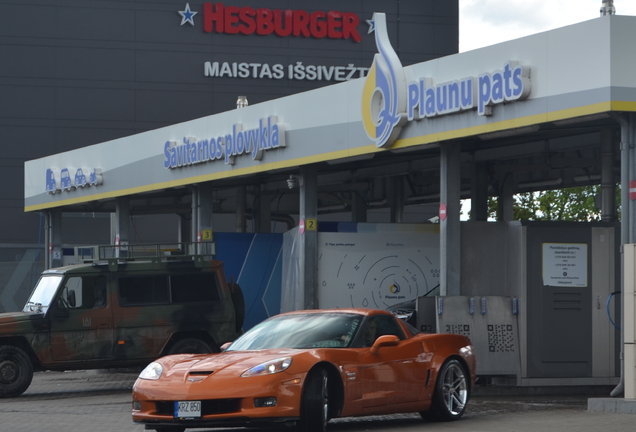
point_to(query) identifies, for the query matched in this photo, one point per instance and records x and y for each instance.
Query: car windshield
(42, 295)
(312, 330)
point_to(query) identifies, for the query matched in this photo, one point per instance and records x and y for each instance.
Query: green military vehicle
(118, 313)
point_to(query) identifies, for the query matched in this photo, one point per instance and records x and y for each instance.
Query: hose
(607, 304)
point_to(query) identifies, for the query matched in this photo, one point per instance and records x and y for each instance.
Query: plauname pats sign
(388, 101)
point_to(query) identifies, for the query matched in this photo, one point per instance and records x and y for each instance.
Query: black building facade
(76, 73)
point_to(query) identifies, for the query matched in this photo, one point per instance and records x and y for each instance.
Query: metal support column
(122, 225)
(628, 173)
(608, 182)
(241, 221)
(53, 236)
(628, 357)
(450, 191)
(507, 200)
(309, 236)
(188, 226)
(205, 213)
(358, 208)
(263, 223)
(396, 199)
(479, 193)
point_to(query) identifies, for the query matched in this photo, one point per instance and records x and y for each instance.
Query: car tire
(191, 346)
(314, 407)
(451, 393)
(16, 371)
(239, 305)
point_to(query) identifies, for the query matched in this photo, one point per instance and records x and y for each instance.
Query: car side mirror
(225, 345)
(71, 298)
(384, 341)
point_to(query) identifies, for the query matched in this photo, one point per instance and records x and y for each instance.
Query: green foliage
(570, 204)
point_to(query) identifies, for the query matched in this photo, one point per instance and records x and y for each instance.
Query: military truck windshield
(42, 295)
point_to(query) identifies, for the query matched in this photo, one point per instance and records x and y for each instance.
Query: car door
(392, 375)
(81, 320)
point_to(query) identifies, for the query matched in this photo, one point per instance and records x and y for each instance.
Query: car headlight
(270, 367)
(152, 372)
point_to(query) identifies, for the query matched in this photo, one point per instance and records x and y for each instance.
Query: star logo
(187, 16)
(371, 24)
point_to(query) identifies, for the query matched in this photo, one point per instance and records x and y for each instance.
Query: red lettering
(231, 18)
(278, 22)
(334, 23)
(248, 24)
(264, 21)
(317, 24)
(350, 23)
(210, 17)
(301, 23)
(247, 20)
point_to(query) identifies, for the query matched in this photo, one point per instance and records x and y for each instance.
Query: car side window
(380, 325)
(168, 289)
(143, 290)
(84, 292)
(192, 288)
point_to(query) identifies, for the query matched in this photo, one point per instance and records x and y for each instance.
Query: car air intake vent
(201, 372)
(208, 407)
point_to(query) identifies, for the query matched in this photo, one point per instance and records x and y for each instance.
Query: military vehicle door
(82, 320)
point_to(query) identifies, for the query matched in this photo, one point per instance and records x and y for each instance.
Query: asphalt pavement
(100, 401)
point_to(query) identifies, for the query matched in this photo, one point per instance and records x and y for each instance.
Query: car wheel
(314, 407)
(16, 371)
(451, 393)
(190, 346)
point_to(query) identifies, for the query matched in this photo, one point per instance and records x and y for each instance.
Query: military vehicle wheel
(239, 305)
(191, 346)
(16, 371)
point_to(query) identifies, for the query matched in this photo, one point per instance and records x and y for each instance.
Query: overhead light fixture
(241, 102)
(434, 196)
(423, 197)
(542, 183)
(584, 178)
(509, 132)
(376, 203)
(333, 207)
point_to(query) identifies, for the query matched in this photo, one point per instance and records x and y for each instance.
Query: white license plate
(187, 409)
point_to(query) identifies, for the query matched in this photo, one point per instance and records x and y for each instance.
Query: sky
(487, 22)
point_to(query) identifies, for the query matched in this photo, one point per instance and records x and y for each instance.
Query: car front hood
(232, 363)
(19, 322)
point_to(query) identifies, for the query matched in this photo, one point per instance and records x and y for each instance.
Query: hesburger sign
(218, 18)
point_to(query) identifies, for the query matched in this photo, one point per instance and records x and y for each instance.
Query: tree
(570, 204)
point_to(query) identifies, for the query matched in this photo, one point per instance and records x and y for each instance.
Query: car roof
(134, 265)
(358, 311)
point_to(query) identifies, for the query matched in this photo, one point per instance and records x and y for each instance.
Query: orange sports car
(305, 367)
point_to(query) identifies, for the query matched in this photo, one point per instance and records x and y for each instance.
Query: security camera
(292, 182)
